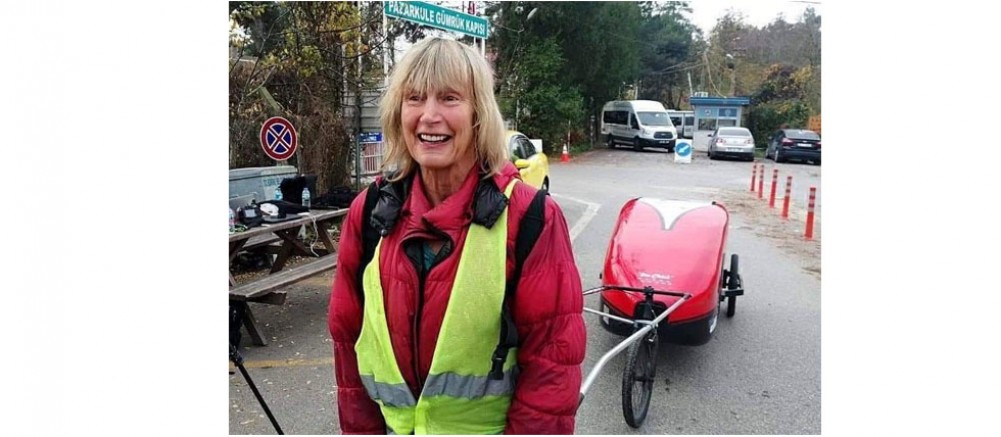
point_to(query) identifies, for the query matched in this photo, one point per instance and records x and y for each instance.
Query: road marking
(262, 364)
(592, 210)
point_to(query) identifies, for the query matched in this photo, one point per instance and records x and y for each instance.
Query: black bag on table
(338, 197)
(292, 188)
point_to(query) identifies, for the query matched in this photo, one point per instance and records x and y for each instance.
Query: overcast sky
(756, 12)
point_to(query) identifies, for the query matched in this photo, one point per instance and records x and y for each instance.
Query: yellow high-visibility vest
(458, 396)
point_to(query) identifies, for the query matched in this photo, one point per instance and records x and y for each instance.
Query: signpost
(278, 138)
(683, 152)
(437, 16)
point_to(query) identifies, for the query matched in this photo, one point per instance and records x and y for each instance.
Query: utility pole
(733, 82)
(691, 91)
(731, 63)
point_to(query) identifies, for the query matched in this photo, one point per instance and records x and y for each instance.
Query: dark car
(794, 145)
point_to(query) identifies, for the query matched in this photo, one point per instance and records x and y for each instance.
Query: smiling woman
(455, 79)
(428, 303)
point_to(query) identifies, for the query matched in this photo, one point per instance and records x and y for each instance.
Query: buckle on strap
(497, 363)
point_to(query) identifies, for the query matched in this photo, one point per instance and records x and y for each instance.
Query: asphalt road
(760, 374)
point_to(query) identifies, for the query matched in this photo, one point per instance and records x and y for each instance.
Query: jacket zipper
(422, 275)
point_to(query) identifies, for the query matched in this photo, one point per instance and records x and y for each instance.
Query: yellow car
(532, 163)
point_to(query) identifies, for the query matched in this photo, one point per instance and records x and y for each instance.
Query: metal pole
(385, 48)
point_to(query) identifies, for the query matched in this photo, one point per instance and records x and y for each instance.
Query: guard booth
(713, 112)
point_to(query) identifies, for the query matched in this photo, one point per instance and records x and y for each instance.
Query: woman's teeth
(432, 138)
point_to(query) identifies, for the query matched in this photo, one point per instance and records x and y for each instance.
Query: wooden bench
(267, 289)
(259, 241)
(263, 289)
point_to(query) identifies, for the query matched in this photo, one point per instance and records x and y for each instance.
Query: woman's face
(438, 128)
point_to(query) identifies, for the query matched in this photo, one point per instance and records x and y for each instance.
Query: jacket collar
(478, 200)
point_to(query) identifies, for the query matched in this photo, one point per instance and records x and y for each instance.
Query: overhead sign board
(437, 16)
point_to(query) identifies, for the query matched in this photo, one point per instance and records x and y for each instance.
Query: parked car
(794, 144)
(734, 142)
(530, 161)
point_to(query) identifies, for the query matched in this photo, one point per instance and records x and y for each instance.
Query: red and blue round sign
(278, 138)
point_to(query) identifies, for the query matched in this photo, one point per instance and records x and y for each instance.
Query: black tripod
(236, 313)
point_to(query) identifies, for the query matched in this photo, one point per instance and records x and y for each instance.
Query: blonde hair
(439, 64)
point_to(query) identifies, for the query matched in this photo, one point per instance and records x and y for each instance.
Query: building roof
(719, 101)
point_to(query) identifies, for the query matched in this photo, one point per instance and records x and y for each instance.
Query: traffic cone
(566, 155)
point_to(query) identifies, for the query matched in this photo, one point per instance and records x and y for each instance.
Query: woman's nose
(430, 112)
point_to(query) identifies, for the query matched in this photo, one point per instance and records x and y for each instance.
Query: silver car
(734, 142)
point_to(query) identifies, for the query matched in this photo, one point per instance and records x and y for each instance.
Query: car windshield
(802, 135)
(735, 132)
(654, 119)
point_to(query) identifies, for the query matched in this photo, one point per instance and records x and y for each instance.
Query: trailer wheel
(733, 281)
(638, 377)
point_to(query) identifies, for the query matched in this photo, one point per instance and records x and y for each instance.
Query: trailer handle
(593, 374)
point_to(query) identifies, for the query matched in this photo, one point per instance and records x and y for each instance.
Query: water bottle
(278, 193)
(305, 197)
(232, 221)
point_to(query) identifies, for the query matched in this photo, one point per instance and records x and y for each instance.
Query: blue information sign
(370, 137)
(683, 149)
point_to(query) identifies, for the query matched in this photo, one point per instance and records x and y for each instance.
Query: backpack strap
(528, 232)
(369, 237)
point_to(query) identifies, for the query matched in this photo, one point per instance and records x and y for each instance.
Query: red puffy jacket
(547, 308)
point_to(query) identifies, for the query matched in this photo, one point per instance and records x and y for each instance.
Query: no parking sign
(683, 152)
(278, 138)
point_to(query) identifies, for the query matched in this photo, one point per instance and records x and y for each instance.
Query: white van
(688, 131)
(683, 121)
(637, 123)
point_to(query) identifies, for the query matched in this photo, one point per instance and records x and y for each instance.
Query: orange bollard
(809, 214)
(785, 202)
(566, 155)
(754, 174)
(761, 182)
(775, 180)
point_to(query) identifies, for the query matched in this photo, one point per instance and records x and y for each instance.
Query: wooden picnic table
(266, 289)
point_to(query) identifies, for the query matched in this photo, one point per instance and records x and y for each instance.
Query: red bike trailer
(663, 280)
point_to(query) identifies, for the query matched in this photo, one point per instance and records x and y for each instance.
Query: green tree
(781, 100)
(583, 51)
(667, 51)
(299, 60)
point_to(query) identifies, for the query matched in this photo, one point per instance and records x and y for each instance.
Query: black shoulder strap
(369, 237)
(528, 232)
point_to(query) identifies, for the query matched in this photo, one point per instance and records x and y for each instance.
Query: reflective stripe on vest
(458, 397)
